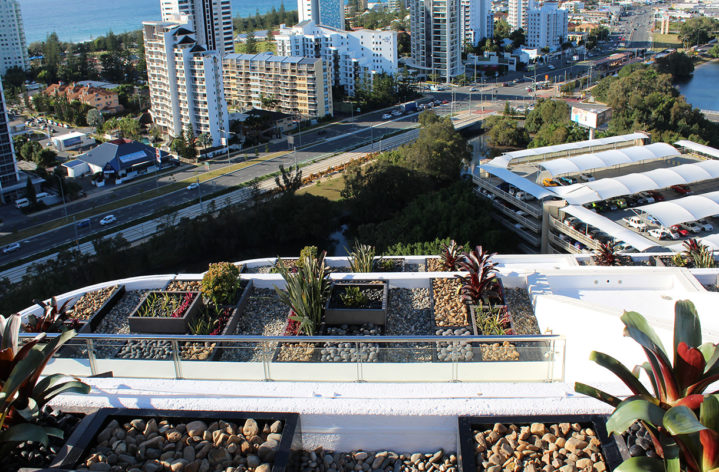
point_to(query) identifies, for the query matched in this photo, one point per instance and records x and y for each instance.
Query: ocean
(82, 20)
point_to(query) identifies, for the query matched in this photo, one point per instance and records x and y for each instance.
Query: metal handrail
(258, 338)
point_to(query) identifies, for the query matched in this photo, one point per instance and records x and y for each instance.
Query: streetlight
(227, 144)
(62, 193)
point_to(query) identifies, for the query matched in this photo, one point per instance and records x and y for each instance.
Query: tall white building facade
(476, 21)
(350, 56)
(547, 27)
(13, 47)
(330, 13)
(211, 20)
(518, 13)
(436, 43)
(185, 82)
(8, 169)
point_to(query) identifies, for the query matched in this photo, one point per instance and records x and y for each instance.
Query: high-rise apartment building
(436, 43)
(476, 21)
(547, 27)
(350, 56)
(211, 20)
(296, 85)
(13, 47)
(185, 82)
(329, 13)
(8, 170)
(518, 13)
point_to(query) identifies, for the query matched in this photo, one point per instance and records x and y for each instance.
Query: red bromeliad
(186, 302)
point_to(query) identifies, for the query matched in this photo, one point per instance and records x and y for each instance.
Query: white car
(386, 116)
(706, 226)
(109, 219)
(659, 233)
(693, 227)
(551, 67)
(11, 247)
(396, 113)
(193, 186)
(635, 222)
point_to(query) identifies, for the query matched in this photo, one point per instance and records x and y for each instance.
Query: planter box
(467, 442)
(473, 314)
(91, 324)
(238, 309)
(84, 437)
(339, 316)
(164, 325)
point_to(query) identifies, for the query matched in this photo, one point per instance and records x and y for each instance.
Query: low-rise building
(70, 141)
(120, 160)
(104, 99)
(289, 84)
(349, 56)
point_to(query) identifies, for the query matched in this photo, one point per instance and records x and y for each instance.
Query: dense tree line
(382, 19)
(32, 151)
(643, 98)
(698, 30)
(676, 64)
(381, 91)
(270, 20)
(71, 112)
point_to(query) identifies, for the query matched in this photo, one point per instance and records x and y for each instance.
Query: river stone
(575, 445)
(100, 467)
(196, 428)
(275, 436)
(173, 436)
(138, 424)
(267, 450)
(250, 428)
(178, 465)
(188, 453)
(276, 427)
(264, 468)
(152, 467)
(218, 456)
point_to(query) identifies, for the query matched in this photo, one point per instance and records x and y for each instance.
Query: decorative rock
(574, 445)
(178, 465)
(538, 428)
(188, 453)
(584, 463)
(276, 427)
(360, 456)
(267, 450)
(218, 456)
(138, 424)
(100, 467)
(250, 428)
(196, 428)
(253, 461)
(264, 468)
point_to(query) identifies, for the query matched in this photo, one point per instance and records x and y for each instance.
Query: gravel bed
(409, 314)
(184, 286)
(449, 310)
(547, 447)
(521, 310)
(455, 350)
(265, 269)
(264, 315)
(414, 267)
(349, 352)
(115, 322)
(320, 460)
(435, 265)
(154, 446)
(89, 303)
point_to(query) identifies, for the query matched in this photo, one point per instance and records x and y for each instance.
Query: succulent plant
(362, 257)
(678, 390)
(306, 291)
(607, 255)
(52, 320)
(481, 283)
(22, 393)
(450, 255)
(353, 296)
(221, 283)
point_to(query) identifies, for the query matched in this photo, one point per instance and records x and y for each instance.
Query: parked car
(656, 195)
(659, 233)
(693, 227)
(11, 247)
(705, 225)
(681, 231)
(109, 219)
(386, 116)
(635, 222)
(550, 183)
(586, 178)
(681, 189)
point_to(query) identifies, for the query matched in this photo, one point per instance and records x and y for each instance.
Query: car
(473, 89)
(693, 227)
(705, 225)
(586, 178)
(386, 116)
(109, 219)
(396, 113)
(437, 102)
(444, 102)
(635, 222)
(681, 189)
(681, 231)
(656, 195)
(11, 247)
(658, 233)
(551, 67)
(83, 223)
(193, 186)
(550, 183)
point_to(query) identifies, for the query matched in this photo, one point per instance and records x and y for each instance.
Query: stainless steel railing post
(176, 359)
(91, 356)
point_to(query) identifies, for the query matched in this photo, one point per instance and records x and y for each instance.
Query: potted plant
(165, 312)
(357, 303)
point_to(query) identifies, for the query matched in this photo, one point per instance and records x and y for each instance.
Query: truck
(410, 107)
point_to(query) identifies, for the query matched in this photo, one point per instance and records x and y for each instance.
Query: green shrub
(221, 283)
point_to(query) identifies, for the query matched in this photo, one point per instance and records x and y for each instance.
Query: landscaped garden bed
(542, 443)
(320, 460)
(357, 304)
(164, 312)
(93, 306)
(155, 440)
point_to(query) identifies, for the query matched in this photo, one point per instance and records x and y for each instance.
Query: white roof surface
(613, 229)
(708, 150)
(504, 159)
(579, 194)
(681, 210)
(613, 157)
(537, 191)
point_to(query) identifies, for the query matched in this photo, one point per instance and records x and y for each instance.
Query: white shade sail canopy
(682, 210)
(506, 158)
(613, 157)
(700, 148)
(537, 191)
(615, 230)
(603, 189)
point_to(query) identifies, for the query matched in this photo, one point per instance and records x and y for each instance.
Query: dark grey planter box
(94, 321)
(239, 309)
(473, 314)
(164, 325)
(83, 439)
(467, 424)
(340, 315)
